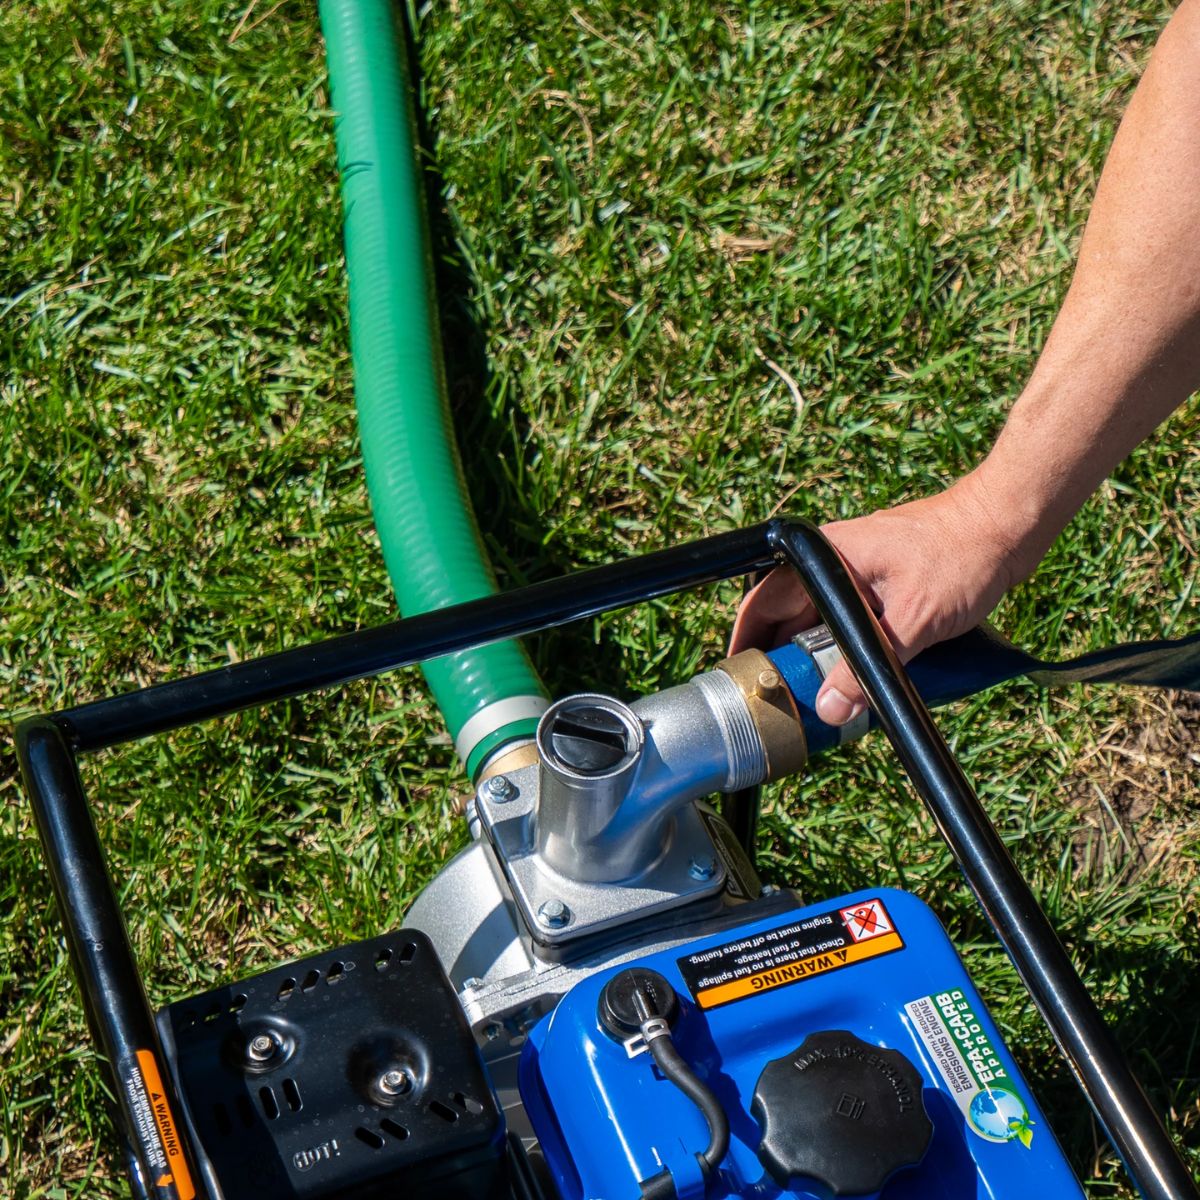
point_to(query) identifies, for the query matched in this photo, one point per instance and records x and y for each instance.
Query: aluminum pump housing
(591, 844)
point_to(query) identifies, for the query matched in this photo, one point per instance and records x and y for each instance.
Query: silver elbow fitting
(589, 750)
(701, 739)
(611, 776)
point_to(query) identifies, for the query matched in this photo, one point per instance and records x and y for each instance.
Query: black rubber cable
(676, 1069)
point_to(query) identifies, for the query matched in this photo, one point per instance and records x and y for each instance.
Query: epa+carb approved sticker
(790, 953)
(968, 1063)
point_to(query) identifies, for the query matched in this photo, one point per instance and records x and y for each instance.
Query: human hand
(930, 569)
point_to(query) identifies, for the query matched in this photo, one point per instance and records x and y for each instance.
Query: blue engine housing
(876, 964)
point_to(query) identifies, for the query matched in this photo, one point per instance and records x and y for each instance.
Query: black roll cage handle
(159, 1152)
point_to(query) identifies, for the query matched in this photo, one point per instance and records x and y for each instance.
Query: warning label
(155, 1127)
(865, 921)
(777, 957)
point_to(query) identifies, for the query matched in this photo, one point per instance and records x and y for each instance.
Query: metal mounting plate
(688, 869)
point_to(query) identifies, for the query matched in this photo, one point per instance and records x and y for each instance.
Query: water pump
(650, 1020)
(598, 997)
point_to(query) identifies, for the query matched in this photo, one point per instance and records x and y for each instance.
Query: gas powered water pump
(598, 999)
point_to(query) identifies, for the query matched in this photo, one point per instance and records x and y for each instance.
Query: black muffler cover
(345, 1074)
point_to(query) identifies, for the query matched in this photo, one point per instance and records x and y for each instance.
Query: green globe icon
(1001, 1116)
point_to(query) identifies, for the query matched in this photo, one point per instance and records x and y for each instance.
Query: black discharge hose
(657, 1035)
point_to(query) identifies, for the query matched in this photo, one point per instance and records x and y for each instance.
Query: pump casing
(800, 1023)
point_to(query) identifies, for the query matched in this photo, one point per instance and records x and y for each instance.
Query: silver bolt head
(500, 788)
(395, 1082)
(702, 867)
(262, 1047)
(554, 913)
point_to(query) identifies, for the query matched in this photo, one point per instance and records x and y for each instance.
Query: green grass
(640, 211)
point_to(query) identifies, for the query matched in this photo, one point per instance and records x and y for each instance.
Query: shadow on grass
(1156, 1023)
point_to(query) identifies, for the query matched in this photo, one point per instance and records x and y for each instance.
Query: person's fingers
(840, 699)
(779, 600)
(748, 626)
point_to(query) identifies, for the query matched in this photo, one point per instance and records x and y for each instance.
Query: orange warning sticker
(787, 954)
(800, 968)
(176, 1167)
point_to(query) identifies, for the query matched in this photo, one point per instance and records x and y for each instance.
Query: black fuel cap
(840, 1116)
(618, 1009)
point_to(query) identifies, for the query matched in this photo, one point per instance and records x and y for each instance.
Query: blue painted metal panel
(877, 964)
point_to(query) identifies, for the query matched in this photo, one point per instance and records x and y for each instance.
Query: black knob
(619, 1013)
(840, 1116)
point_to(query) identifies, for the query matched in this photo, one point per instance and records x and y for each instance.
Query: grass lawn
(699, 263)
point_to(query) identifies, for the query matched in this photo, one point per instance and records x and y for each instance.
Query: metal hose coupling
(611, 775)
(773, 710)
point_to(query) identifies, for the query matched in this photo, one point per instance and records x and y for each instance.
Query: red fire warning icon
(868, 920)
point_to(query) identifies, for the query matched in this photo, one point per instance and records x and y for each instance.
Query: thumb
(840, 699)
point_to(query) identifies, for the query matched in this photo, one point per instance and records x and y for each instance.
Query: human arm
(1123, 353)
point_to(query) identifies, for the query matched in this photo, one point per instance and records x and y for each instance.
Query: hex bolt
(554, 914)
(500, 788)
(473, 984)
(702, 867)
(262, 1048)
(395, 1082)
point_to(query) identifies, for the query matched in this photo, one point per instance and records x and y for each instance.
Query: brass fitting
(772, 709)
(510, 758)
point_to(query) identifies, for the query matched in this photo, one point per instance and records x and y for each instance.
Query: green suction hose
(431, 544)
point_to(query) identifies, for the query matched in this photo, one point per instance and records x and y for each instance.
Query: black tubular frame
(113, 993)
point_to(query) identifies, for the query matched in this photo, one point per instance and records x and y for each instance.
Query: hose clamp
(819, 645)
(655, 1027)
(495, 716)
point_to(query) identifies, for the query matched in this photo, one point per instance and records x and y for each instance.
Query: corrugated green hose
(430, 541)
